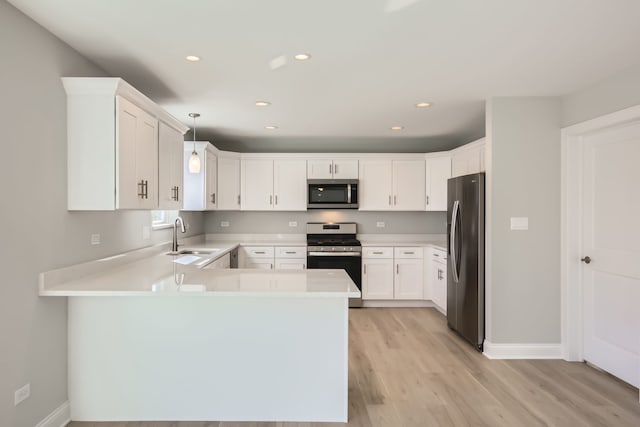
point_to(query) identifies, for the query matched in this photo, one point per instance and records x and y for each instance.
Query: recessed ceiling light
(302, 56)
(262, 103)
(423, 104)
(271, 127)
(397, 127)
(192, 58)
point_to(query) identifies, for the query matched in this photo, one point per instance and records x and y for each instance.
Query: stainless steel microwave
(332, 194)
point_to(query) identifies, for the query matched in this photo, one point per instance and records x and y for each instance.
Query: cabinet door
(257, 184)
(345, 169)
(377, 279)
(259, 263)
(137, 154)
(290, 185)
(409, 279)
(408, 185)
(211, 165)
(439, 280)
(170, 159)
(319, 169)
(375, 192)
(228, 183)
(291, 264)
(437, 173)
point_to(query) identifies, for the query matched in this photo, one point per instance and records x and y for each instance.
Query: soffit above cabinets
(371, 62)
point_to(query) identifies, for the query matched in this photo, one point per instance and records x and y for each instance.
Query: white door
(290, 185)
(439, 283)
(611, 239)
(345, 169)
(375, 191)
(409, 279)
(408, 185)
(211, 171)
(170, 159)
(437, 174)
(319, 169)
(228, 183)
(291, 264)
(257, 184)
(377, 279)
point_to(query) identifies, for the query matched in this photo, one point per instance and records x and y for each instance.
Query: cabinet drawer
(291, 252)
(408, 252)
(258, 251)
(438, 254)
(377, 252)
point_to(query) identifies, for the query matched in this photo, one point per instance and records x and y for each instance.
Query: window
(163, 219)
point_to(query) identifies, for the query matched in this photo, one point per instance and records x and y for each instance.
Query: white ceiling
(372, 60)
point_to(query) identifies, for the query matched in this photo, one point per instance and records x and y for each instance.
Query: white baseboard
(397, 303)
(60, 417)
(522, 351)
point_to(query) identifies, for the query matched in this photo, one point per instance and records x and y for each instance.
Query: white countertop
(438, 244)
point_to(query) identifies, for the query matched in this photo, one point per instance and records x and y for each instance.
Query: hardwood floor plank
(406, 368)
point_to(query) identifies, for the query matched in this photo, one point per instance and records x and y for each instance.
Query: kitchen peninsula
(158, 337)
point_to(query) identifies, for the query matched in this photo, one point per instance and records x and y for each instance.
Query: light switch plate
(95, 239)
(293, 223)
(224, 223)
(519, 223)
(380, 224)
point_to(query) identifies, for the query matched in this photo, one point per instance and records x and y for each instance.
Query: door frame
(571, 224)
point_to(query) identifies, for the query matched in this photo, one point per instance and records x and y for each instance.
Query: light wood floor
(406, 368)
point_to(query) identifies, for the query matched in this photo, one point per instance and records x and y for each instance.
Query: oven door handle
(351, 254)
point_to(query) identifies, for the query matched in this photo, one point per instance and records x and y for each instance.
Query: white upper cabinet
(170, 177)
(468, 159)
(200, 189)
(228, 183)
(375, 185)
(332, 169)
(289, 185)
(257, 184)
(438, 171)
(408, 185)
(112, 145)
(391, 185)
(273, 185)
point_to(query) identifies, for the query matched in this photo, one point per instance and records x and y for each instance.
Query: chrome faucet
(174, 244)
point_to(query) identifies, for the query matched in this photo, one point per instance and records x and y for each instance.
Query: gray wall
(278, 222)
(523, 135)
(38, 234)
(615, 93)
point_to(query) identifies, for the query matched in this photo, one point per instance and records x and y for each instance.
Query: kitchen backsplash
(283, 222)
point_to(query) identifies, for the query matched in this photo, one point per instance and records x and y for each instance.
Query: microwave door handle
(349, 193)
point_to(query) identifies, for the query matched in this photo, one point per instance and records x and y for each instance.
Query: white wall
(617, 92)
(278, 222)
(38, 233)
(523, 178)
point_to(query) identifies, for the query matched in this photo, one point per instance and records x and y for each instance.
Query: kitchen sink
(194, 252)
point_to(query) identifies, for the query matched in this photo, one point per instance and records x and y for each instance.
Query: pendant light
(194, 160)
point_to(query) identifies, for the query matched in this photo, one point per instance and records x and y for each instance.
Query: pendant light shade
(195, 165)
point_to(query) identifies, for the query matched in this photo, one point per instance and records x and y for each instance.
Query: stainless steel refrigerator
(465, 260)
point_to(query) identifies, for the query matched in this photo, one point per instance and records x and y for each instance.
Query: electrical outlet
(520, 223)
(380, 224)
(224, 223)
(293, 223)
(146, 232)
(21, 394)
(95, 239)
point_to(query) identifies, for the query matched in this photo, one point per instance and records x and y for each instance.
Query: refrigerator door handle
(452, 240)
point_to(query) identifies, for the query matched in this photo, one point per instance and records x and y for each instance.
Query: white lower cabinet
(291, 257)
(438, 279)
(256, 257)
(392, 273)
(270, 257)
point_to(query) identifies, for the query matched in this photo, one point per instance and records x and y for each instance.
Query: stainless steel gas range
(334, 245)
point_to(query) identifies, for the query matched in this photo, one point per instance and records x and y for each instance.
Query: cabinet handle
(146, 189)
(436, 255)
(213, 198)
(335, 169)
(365, 269)
(427, 200)
(289, 252)
(259, 252)
(238, 200)
(377, 253)
(141, 189)
(270, 266)
(395, 200)
(276, 199)
(408, 253)
(330, 168)
(397, 268)
(389, 199)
